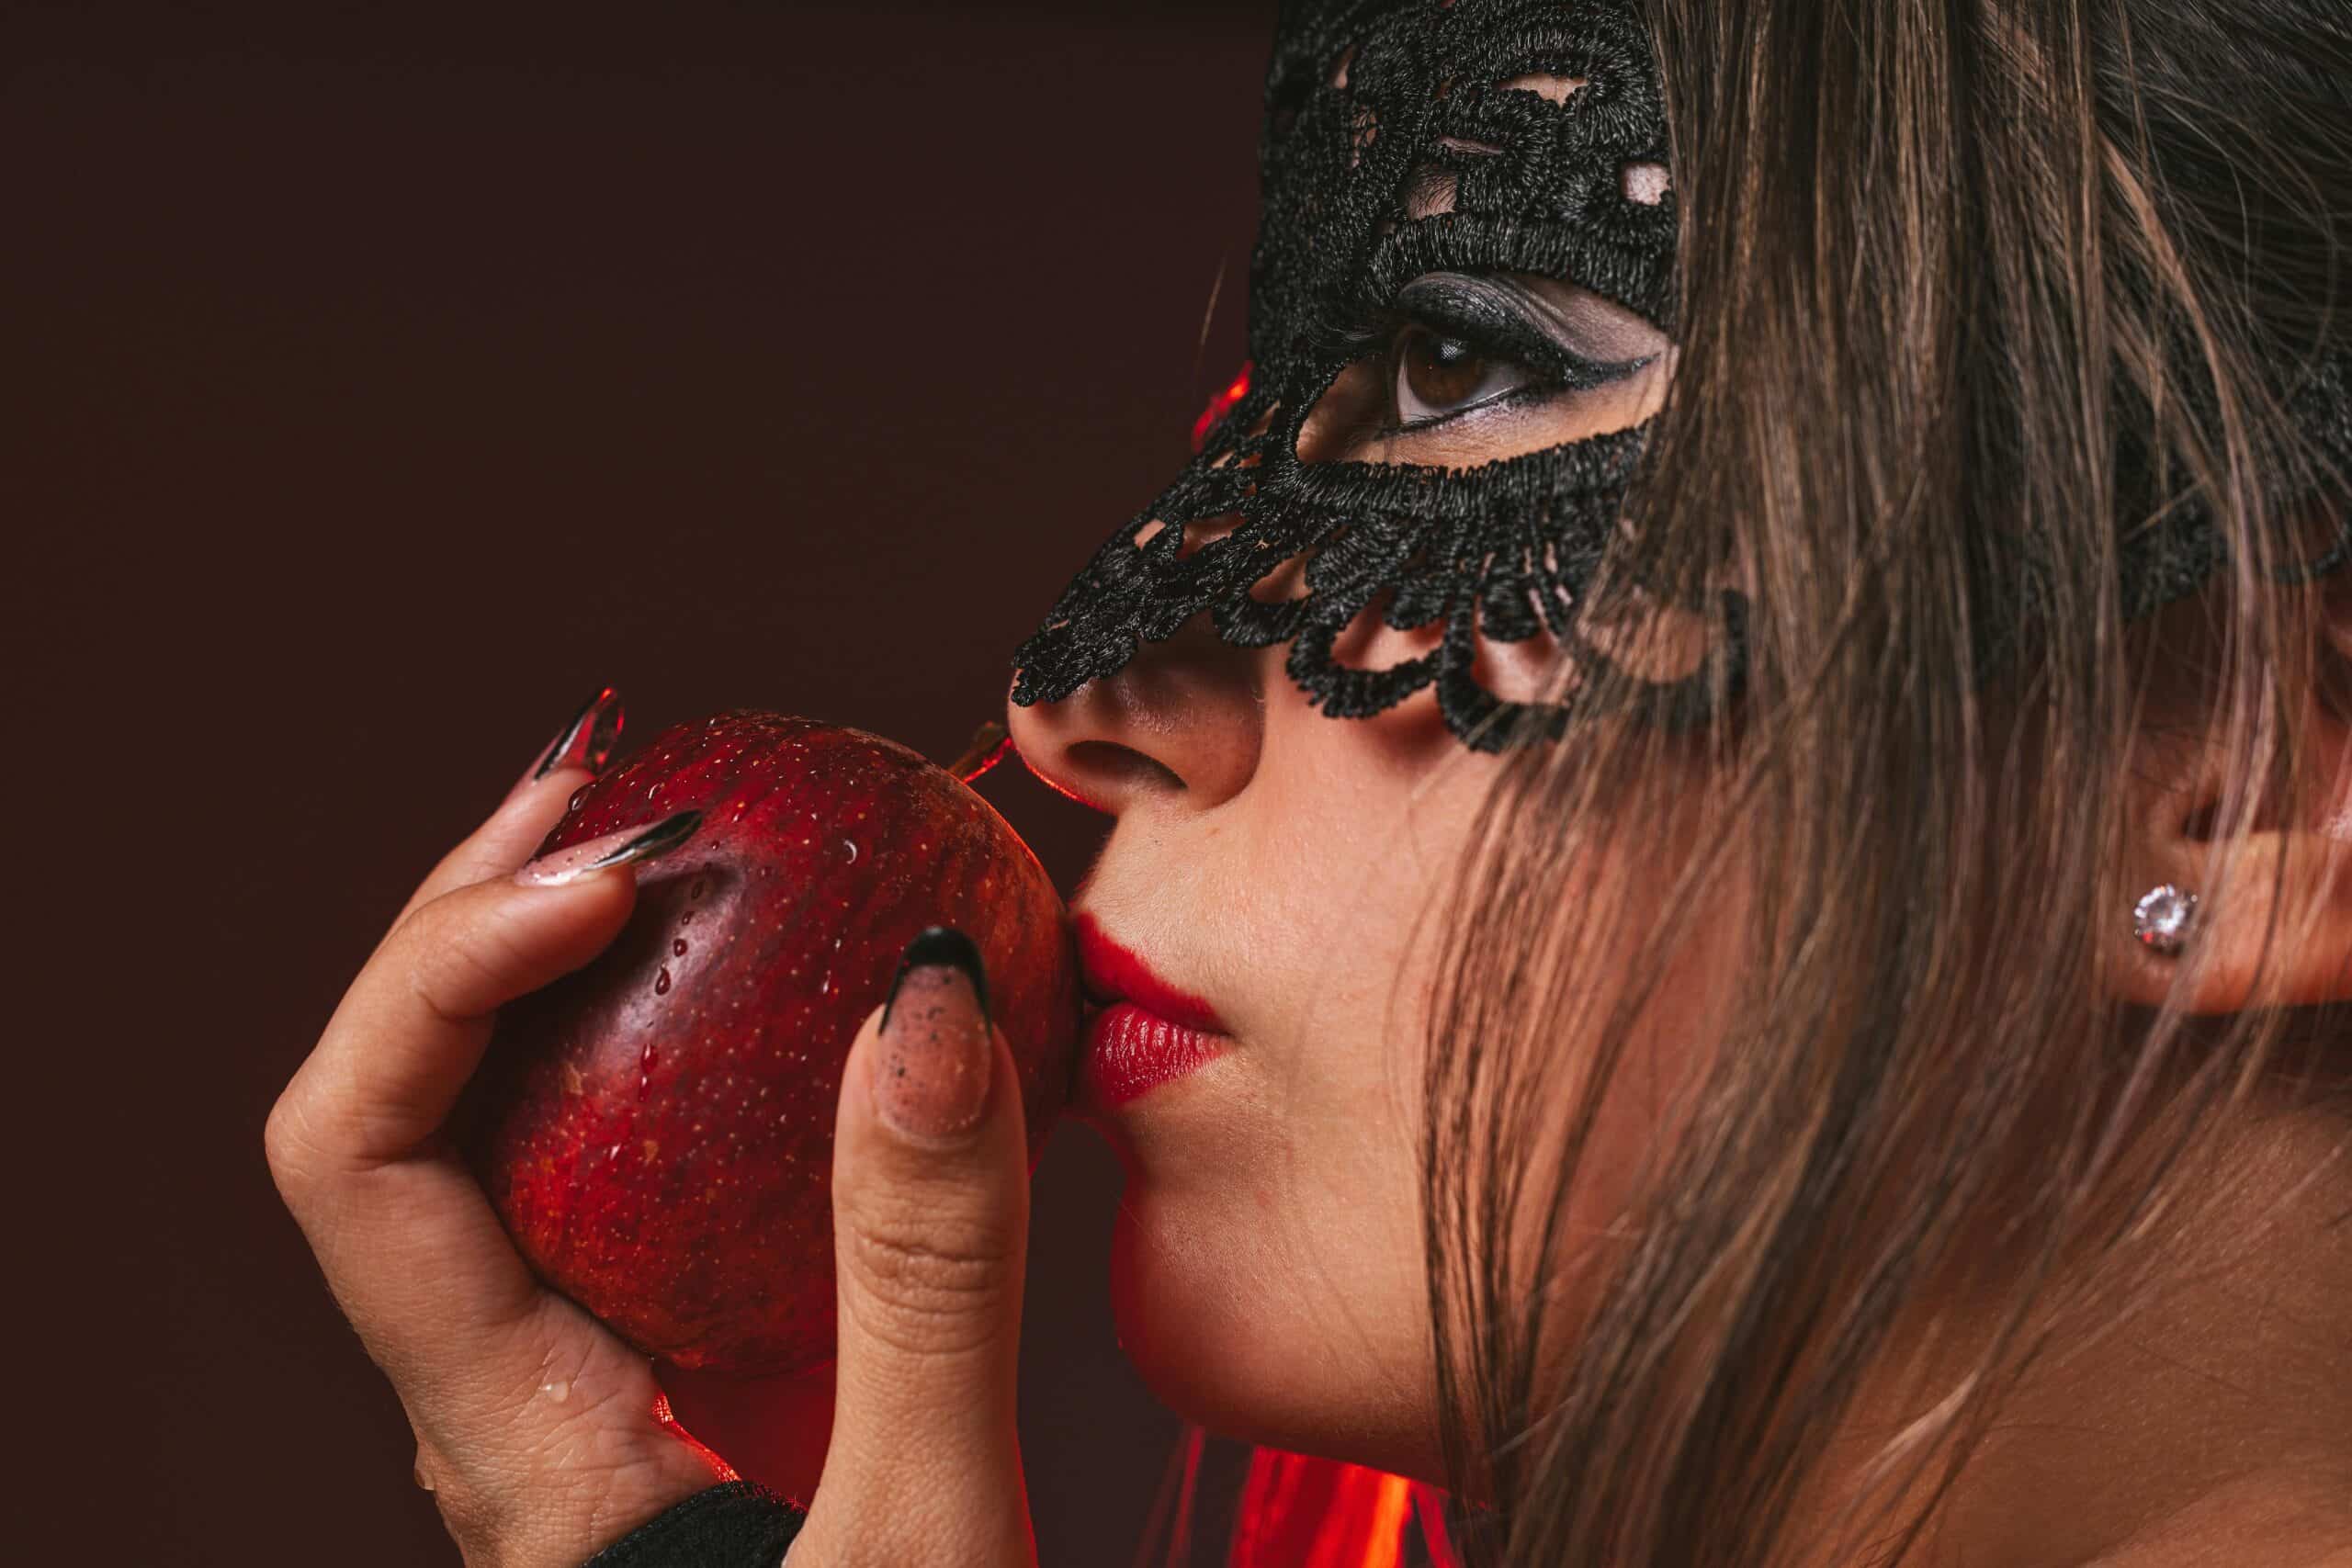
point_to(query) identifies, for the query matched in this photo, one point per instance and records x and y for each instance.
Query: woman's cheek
(1270, 1286)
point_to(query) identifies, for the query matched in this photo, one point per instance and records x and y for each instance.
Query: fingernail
(613, 849)
(588, 741)
(932, 1079)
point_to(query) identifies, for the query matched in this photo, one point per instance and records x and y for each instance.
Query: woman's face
(1280, 867)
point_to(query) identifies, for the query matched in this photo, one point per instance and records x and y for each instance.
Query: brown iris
(1440, 373)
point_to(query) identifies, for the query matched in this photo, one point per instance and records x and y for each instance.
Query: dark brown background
(377, 382)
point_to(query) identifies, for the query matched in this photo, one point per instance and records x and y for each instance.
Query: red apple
(656, 1131)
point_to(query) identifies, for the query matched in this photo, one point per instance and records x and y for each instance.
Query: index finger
(409, 1031)
(407, 1240)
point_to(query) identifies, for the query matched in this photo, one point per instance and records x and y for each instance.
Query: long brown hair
(1974, 293)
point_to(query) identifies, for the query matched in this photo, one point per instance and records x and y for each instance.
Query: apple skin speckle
(719, 1254)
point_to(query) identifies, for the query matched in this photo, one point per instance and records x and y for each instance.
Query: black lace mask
(1371, 103)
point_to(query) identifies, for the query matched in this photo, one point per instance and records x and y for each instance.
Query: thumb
(930, 1217)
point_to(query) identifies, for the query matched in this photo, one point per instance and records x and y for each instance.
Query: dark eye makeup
(1456, 343)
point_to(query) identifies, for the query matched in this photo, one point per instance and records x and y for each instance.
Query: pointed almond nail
(587, 741)
(624, 848)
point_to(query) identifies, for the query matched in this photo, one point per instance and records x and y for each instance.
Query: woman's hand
(543, 1436)
(536, 1427)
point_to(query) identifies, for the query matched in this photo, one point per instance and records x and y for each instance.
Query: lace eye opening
(1475, 341)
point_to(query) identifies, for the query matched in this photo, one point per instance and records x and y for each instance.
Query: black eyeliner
(1480, 313)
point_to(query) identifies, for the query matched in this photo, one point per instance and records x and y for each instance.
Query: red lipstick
(1148, 1032)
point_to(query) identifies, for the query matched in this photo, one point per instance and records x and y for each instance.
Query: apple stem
(991, 744)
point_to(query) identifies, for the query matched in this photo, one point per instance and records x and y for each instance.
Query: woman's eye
(1439, 377)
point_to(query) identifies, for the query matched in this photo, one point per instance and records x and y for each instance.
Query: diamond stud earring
(2162, 919)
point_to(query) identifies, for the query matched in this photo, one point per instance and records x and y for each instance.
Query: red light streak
(1219, 406)
(668, 1421)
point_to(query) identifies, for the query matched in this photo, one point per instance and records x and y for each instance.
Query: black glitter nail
(941, 947)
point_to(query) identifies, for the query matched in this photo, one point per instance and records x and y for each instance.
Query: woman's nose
(1181, 725)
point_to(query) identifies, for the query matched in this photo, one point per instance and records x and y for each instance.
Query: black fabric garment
(738, 1525)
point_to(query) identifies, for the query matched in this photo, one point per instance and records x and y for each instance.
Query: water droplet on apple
(577, 796)
(559, 1391)
(697, 890)
(661, 982)
(851, 848)
(678, 948)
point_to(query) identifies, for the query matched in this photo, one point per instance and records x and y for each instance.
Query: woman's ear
(2273, 921)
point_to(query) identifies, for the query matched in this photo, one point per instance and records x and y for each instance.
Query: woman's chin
(1221, 1339)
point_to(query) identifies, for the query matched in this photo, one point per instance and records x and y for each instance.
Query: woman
(1733, 757)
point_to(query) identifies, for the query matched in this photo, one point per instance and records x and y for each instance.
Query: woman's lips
(1130, 1052)
(1147, 1031)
